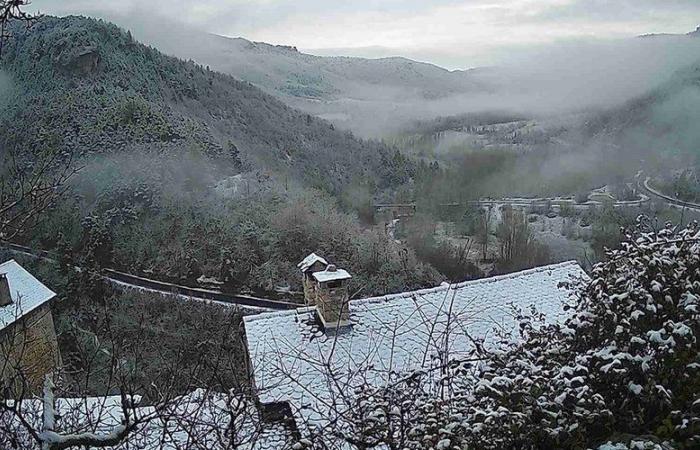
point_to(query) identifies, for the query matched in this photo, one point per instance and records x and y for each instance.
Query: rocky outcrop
(81, 60)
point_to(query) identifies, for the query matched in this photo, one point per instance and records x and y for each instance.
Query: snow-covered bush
(621, 372)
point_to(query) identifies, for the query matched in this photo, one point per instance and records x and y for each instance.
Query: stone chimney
(5, 297)
(332, 297)
(308, 266)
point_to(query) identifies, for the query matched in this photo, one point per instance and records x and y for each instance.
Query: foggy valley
(381, 225)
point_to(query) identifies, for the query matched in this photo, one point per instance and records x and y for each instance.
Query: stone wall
(332, 305)
(309, 290)
(29, 349)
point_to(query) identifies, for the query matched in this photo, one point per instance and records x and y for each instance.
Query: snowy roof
(310, 260)
(200, 416)
(290, 353)
(331, 275)
(27, 293)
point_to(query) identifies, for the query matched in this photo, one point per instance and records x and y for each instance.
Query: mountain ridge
(378, 97)
(692, 34)
(95, 88)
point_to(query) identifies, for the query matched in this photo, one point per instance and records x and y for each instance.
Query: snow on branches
(622, 372)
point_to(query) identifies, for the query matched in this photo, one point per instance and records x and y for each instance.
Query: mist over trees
(156, 162)
(379, 97)
(113, 155)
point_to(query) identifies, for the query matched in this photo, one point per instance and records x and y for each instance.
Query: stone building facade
(28, 345)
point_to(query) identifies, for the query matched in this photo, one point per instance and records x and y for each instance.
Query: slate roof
(310, 260)
(290, 352)
(194, 414)
(27, 293)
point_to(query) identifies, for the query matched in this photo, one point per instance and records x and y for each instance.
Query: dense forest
(185, 172)
(116, 156)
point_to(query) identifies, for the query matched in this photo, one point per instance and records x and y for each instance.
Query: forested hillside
(660, 127)
(362, 94)
(185, 172)
(82, 83)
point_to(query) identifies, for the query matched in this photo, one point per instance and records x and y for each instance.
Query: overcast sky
(451, 33)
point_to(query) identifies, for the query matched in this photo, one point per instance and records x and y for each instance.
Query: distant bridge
(397, 210)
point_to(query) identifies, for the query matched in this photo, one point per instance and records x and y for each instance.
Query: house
(28, 345)
(298, 360)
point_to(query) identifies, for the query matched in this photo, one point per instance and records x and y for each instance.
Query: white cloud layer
(452, 33)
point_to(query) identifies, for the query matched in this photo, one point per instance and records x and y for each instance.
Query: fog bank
(537, 81)
(379, 97)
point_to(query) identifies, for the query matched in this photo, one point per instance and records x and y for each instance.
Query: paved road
(125, 280)
(670, 200)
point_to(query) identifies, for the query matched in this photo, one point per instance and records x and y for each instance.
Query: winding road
(125, 280)
(670, 200)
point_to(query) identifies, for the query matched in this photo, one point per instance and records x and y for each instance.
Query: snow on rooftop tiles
(310, 260)
(199, 416)
(27, 293)
(291, 354)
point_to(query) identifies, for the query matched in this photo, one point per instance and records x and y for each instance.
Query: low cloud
(470, 32)
(551, 71)
(550, 80)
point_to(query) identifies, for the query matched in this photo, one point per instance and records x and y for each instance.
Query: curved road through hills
(669, 200)
(125, 280)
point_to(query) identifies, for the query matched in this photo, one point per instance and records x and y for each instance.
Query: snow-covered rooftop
(310, 260)
(199, 416)
(27, 293)
(291, 353)
(331, 274)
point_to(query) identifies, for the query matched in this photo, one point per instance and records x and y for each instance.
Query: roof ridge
(431, 290)
(446, 287)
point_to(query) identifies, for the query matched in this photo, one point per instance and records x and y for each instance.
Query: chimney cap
(331, 275)
(310, 260)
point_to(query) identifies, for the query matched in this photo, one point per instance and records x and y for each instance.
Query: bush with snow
(623, 371)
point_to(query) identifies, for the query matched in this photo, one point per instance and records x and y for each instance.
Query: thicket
(153, 335)
(450, 260)
(180, 218)
(621, 371)
(518, 247)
